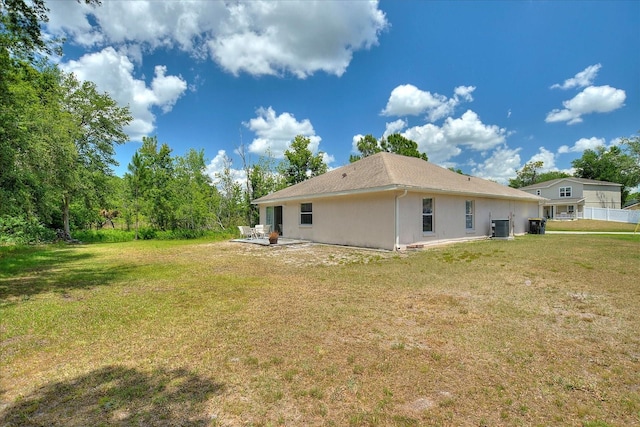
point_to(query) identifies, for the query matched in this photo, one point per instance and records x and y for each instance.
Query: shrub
(147, 233)
(104, 236)
(24, 231)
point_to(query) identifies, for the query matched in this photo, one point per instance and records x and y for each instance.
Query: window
(270, 215)
(427, 215)
(565, 191)
(571, 209)
(306, 214)
(469, 214)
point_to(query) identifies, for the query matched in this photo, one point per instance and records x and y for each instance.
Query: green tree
(193, 191)
(549, 175)
(615, 164)
(367, 146)
(97, 126)
(21, 26)
(527, 175)
(300, 163)
(530, 174)
(33, 141)
(632, 147)
(159, 173)
(230, 208)
(394, 143)
(135, 180)
(39, 129)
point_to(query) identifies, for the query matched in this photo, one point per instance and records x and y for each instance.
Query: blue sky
(480, 86)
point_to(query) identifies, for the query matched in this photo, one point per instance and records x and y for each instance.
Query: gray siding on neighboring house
(584, 193)
(601, 196)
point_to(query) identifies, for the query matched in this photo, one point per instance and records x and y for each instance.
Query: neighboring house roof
(387, 171)
(634, 206)
(551, 183)
(565, 201)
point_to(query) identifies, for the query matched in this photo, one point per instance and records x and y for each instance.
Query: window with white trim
(427, 215)
(565, 191)
(306, 213)
(469, 208)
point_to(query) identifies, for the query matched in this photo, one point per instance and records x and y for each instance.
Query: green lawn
(541, 330)
(590, 225)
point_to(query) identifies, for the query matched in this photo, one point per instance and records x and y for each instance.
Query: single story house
(389, 201)
(567, 197)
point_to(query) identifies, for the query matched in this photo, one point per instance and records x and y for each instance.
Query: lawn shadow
(29, 271)
(116, 395)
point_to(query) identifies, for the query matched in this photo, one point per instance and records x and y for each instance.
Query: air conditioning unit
(500, 228)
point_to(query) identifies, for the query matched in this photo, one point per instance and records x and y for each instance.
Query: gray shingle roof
(388, 171)
(550, 183)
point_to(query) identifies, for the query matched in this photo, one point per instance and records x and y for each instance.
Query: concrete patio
(282, 241)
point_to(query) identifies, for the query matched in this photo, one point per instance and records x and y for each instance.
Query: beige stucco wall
(355, 220)
(449, 217)
(370, 220)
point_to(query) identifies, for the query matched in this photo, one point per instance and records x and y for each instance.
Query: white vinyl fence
(617, 215)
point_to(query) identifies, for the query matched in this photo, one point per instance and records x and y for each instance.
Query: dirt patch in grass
(537, 331)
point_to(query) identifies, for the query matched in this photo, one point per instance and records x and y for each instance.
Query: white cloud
(441, 143)
(432, 140)
(256, 37)
(470, 131)
(354, 142)
(113, 73)
(217, 165)
(464, 92)
(409, 100)
(394, 127)
(583, 79)
(593, 99)
(547, 158)
(582, 144)
(274, 133)
(500, 166)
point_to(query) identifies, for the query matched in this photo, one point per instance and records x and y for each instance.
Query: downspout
(397, 230)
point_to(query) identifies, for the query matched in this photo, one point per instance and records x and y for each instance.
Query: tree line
(58, 138)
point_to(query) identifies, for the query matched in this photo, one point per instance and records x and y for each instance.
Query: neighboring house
(390, 201)
(633, 206)
(569, 196)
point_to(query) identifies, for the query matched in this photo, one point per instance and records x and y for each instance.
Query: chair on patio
(245, 232)
(262, 231)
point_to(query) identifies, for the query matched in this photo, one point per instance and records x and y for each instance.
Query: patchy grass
(537, 331)
(590, 225)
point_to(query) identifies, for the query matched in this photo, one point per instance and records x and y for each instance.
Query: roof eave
(529, 197)
(325, 195)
